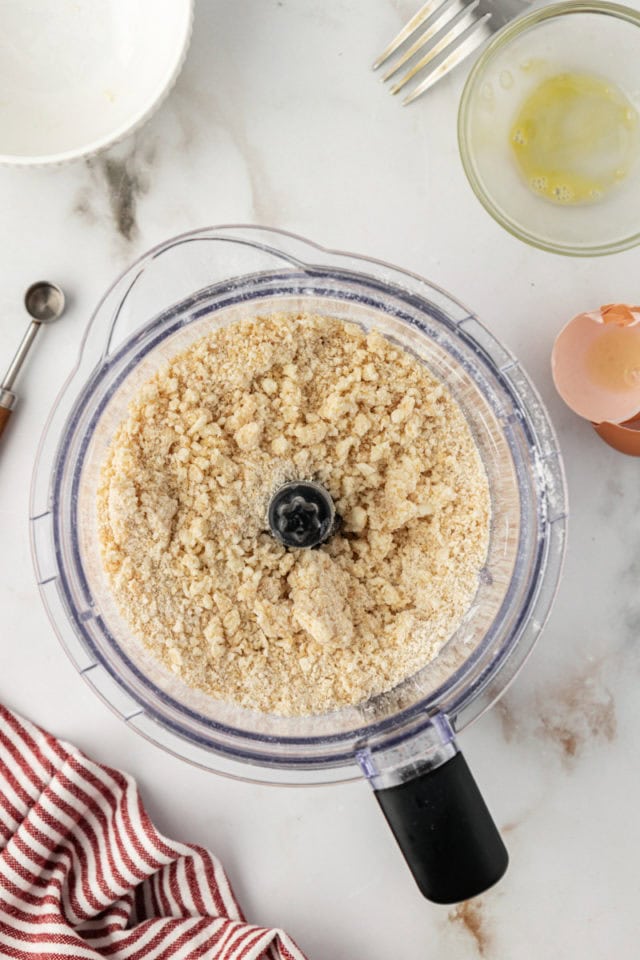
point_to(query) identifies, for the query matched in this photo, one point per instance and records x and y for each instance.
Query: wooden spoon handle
(5, 413)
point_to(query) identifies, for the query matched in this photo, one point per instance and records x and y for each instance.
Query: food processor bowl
(404, 740)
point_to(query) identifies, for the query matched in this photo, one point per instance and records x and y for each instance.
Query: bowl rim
(174, 67)
(512, 30)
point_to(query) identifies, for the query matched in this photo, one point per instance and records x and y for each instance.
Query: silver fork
(439, 36)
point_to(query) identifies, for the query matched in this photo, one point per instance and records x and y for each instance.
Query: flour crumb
(182, 510)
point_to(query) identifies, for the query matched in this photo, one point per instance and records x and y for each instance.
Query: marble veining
(117, 181)
(277, 118)
(124, 186)
(572, 716)
(471, 918)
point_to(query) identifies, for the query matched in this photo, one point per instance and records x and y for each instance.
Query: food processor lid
(181, 283)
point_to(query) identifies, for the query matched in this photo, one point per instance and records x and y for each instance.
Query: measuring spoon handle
(7, 400)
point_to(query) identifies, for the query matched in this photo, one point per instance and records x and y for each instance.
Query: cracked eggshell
(596, 365)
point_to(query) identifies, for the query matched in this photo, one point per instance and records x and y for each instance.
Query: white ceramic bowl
(78, 75)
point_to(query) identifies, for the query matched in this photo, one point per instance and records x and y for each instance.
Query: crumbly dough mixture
(183, 504)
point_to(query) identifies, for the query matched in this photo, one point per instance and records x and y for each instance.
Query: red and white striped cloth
(84, 873)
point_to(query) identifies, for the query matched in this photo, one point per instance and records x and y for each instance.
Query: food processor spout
(436, 812)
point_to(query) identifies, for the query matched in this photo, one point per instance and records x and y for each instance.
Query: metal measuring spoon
(45, 303)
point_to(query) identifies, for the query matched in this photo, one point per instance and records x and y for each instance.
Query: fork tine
(470, 40)
(445, 12)
(416, 21)
(446, 36)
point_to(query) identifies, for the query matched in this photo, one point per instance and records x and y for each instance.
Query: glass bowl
(601, 39)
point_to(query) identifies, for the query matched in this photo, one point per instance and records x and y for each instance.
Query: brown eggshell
(624, 437)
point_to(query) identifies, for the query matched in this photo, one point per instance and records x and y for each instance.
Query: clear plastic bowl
(167, 299)
(583, 38)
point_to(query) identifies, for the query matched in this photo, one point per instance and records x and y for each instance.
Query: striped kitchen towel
(84, 873)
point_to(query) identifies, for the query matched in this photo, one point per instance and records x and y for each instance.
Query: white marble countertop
(278, 120)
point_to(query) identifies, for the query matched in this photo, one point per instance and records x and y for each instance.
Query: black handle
(445, 832)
